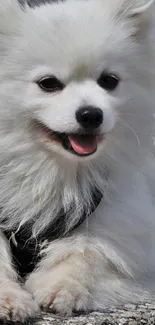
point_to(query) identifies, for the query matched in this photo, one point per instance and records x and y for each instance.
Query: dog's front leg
(93, 269)
(75, 274)
(64, 278)
(15, 303)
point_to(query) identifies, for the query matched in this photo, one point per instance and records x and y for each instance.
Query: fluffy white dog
(77, 166)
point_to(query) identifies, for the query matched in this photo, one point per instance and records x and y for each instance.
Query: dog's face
(68, 70)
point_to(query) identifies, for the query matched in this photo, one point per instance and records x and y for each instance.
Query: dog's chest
(25, 249)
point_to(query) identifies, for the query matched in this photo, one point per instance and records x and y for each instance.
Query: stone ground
(127, 315)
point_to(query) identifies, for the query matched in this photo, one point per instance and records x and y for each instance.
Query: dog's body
(69, 68)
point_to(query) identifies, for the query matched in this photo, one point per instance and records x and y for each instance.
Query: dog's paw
(16, 305)
(68, 298)
(63, 297)
(63, 289)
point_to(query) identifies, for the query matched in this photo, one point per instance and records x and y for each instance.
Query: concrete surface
(128, 315)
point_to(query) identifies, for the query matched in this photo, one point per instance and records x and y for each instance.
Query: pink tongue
(83, 145)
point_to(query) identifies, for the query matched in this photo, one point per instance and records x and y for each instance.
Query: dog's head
(67, 68)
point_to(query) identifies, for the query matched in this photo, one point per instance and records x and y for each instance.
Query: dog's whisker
(122, 123)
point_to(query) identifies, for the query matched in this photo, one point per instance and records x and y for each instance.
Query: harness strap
(25, 249)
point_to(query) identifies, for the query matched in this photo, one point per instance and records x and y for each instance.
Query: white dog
(77, 166)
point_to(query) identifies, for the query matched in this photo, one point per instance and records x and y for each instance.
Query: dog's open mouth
(82, 145)
(77, 144)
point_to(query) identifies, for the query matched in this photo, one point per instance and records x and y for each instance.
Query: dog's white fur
(110, 258)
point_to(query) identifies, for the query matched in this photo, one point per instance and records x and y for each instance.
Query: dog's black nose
(89, 117)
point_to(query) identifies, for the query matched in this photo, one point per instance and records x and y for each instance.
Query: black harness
(25, 251)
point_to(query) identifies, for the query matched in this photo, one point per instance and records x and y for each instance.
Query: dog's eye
(50, 84)
(108, 81)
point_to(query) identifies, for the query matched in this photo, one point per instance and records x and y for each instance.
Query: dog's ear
(9, 5)
(141, 13)
(139, 7)
(10, 14)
